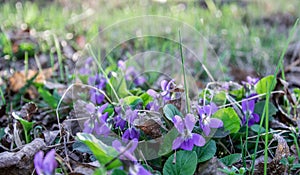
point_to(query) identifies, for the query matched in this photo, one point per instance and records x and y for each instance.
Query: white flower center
(205, 119)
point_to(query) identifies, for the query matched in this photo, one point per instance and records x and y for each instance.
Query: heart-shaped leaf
(170, 111)
(231, 120)
(263, 85)
(206, 152)
(231, 159)
(185, 164)
(166, 146)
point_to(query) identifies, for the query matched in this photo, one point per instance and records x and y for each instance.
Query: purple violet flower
(122, 65)
(127, 152)
(248, 110)
(86, 68)
(186, 139)
(250, 80)
(97, 123)
(153, 105)
(166, 86)
(131, 74)
(99, 82)
(119, 121)
(130, 133)
(205, 120)
(131, 115)
(45, 165)
(153, 93)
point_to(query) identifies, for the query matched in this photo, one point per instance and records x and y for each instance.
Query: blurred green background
(250, 35)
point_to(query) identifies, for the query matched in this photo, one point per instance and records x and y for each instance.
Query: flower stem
(184, 76)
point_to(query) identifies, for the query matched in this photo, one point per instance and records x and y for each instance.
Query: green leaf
(296, 166)
(263, 85)
(259, 108)
(132, 101)
(297, 92)
(219, 98)
(170, 111)
(102, 152)
(48, 97)
(206, 152)
(100, 171)
(231, 159)
(27, 126)
(110, 110)
(118, 172)
(166, 146)
(150, 169)
(2, 133)
(27, 47)
(119, 84)
(231, 120)
(255, 128)
(81, 147)
(186, 163)
(238, 93)
(146, 98)
(136, 91)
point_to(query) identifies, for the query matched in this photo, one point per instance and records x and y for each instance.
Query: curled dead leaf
(150, 124)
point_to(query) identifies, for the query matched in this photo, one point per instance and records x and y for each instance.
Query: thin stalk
(59, 56)
(246, 139)
(296, 144)
(265, 114)
(103, 72)
(26, 64)
(2, 96)
(267, 130)
(282, 72)
(186, 90)
(243, 150)
(52, 61)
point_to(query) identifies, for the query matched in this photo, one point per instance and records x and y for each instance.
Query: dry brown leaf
(150, 123)
(151, 128)
(19, 79)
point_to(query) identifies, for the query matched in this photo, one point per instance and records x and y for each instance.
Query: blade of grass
(266, 108)
(186, 90)
(26, 64)
(2, 97)
(52, 61)
(102, 71)
(296, 144)
(59, 57)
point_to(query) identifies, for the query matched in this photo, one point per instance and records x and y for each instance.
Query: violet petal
(215, 123)
(198, 140)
